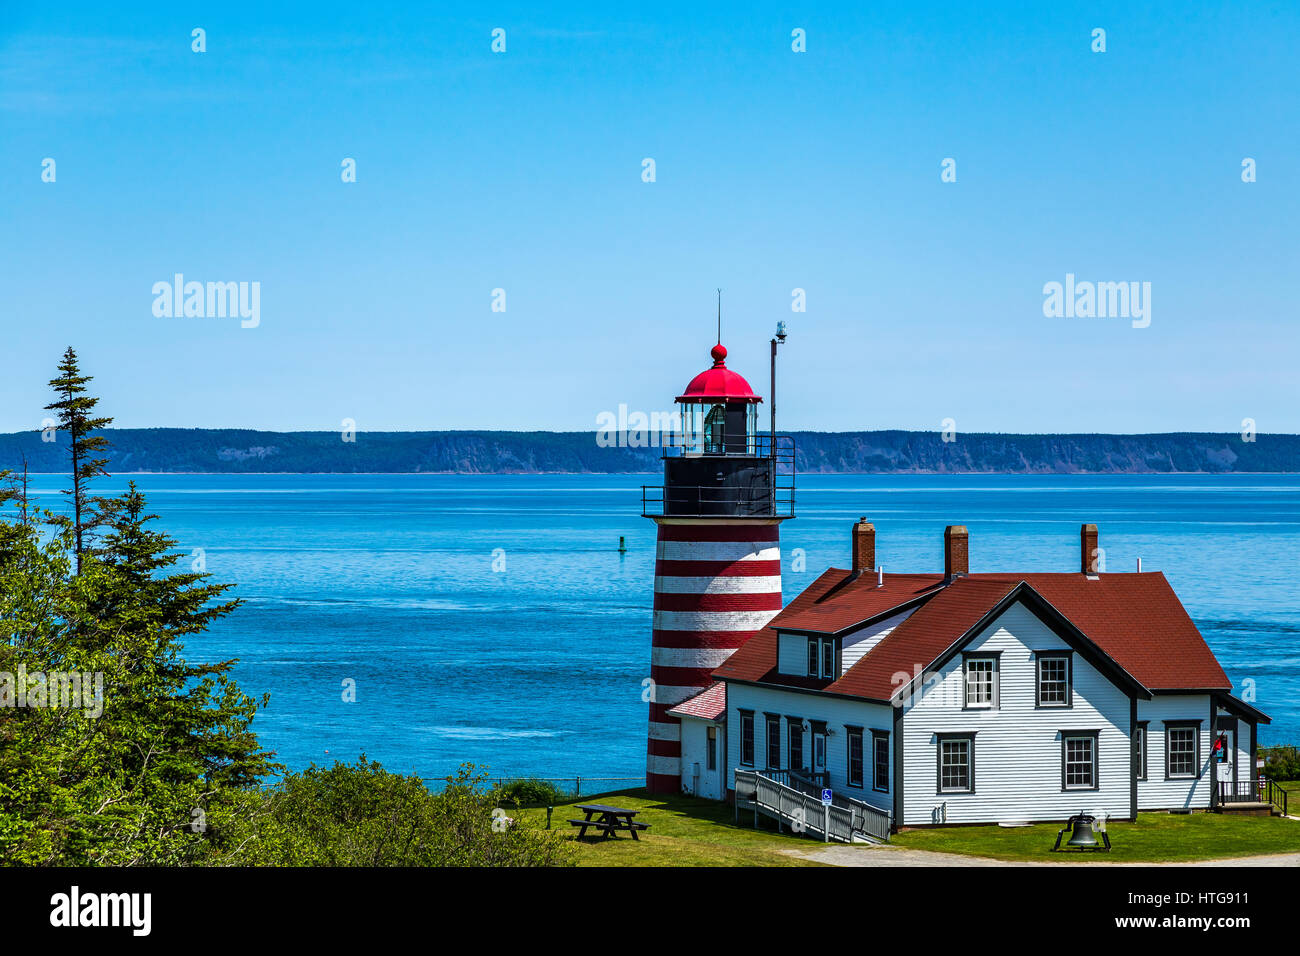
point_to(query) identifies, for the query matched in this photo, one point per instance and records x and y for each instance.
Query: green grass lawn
(684, 831)
(1155, 838)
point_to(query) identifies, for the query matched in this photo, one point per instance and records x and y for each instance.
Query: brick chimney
(864, 546)
(956, 551)
(1088, 548)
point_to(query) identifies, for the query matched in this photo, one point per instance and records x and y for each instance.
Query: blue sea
(492, 619)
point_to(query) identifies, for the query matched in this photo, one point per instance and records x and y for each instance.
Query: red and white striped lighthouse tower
(726, 491)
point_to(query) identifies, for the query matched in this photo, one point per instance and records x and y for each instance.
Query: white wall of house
(864, 639)
(837, 712)
(695, 741)
(1157, 791)
(1018, 746)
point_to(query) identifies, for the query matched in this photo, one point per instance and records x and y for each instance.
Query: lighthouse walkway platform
(795, 801)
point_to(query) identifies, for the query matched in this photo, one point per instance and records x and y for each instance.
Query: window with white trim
(981, 680)
(1182, 750)
(957, 764)
(1054, 680)
(747, 738)
(1079, 761)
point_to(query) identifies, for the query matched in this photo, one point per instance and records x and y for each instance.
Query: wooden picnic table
(608, 820)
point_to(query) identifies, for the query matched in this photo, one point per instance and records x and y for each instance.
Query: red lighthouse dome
(719, 383)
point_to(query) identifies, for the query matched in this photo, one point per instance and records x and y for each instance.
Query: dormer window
(821, 658)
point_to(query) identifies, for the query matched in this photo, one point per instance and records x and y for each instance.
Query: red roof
(708, 704)
(1139, 622)
(1135, 619)
(719, 383)
(923, 637)
(852, 600)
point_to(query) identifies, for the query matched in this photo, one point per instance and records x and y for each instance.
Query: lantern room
(719, 465)
(719, 411)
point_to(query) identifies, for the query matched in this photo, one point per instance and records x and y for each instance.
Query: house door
(711, 772)
(819, 751)
(1225, 762)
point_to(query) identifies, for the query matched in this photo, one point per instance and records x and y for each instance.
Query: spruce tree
(76, 411)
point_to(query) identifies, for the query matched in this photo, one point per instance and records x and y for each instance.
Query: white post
(826, 824)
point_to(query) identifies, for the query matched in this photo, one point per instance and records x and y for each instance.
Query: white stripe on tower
(710, 598)
(717, 551)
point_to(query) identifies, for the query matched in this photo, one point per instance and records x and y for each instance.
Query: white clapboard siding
(861, 641)
(1018, 746)
(695, 751)
(836, 712)
(1156, 792)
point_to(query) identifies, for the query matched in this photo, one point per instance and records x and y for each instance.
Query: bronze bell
(1081, 835)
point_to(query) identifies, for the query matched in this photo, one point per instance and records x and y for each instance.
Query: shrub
(530, 792)
(362, 815)
(1281, 763)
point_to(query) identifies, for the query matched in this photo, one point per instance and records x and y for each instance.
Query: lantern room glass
(703, 430)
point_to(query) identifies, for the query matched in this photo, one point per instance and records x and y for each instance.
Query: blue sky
(775, 170)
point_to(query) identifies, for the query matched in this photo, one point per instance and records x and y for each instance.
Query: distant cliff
(501, 452)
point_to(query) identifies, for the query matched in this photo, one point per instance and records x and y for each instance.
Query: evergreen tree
(156, 762)
(76, 416)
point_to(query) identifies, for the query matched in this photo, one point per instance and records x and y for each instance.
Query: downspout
(1214, 764)
(1133, 758)
(1254, 757)
(726, 738)
(898, 766)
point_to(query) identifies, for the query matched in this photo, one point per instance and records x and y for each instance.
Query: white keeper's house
(981, 698)
(925, 698)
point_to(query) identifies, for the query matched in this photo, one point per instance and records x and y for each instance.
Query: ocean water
(492, 620)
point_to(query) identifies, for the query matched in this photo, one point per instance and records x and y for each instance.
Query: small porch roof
(1238, 707)
(708, 704)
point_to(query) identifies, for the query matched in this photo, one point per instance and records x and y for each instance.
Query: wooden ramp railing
(783, 797)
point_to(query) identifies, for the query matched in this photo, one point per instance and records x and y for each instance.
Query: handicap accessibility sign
(826, 797)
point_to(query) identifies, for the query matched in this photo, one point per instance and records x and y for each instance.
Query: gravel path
(870, 855)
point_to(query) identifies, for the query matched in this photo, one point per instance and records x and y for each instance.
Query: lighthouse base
(717, 583)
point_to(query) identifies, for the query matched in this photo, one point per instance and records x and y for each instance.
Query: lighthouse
(726, 489)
